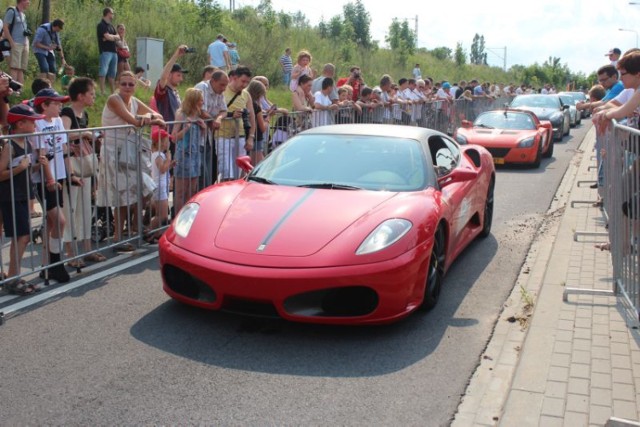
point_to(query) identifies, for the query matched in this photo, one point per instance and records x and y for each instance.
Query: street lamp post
(631, 31)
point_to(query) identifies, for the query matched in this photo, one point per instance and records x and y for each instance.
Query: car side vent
(474, 156)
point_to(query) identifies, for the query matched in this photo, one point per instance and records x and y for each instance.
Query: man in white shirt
(417, 74)
(323, 107)
(614, 55)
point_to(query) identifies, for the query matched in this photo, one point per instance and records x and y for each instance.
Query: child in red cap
(161, 163)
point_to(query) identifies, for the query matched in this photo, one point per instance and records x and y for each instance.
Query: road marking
(45, 295)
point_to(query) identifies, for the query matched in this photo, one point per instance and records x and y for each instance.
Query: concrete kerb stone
(535, 271)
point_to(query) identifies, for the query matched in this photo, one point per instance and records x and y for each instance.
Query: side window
(445, 155)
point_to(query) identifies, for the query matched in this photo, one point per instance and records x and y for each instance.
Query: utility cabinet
(149, 54)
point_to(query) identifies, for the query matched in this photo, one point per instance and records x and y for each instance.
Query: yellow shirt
(230, 126)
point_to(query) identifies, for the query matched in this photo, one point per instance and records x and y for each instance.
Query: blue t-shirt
(478, 90)
(216, 51)
(614, 91)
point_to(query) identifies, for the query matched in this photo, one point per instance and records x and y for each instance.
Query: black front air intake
(183, 283)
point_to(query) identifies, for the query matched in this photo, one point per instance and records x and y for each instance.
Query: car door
(457, 197)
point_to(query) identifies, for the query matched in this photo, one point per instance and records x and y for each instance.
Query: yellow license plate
(498, 161)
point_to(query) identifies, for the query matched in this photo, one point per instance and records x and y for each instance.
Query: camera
(245, 119)
(27, 32)
(190, 50)
(356, 74)
(14, 85)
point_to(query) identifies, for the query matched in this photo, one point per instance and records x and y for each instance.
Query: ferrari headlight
(527, 142)
(185, 219)
(384, 235)
(460, 139)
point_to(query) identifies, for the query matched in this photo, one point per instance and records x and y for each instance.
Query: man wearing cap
(614, 55)
(219, 54)
(166, 93)
(107, 38)
(45, 44)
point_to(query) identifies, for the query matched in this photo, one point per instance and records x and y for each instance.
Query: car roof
(391, 131)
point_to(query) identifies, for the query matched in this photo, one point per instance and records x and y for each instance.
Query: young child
(302, 68)
(49, 180)
(161, 163)
(15, 165)
(188, 135)
(141, 80)
(69, 74)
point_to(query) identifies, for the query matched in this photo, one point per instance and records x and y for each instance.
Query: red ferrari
(511, 136)
(344, 224)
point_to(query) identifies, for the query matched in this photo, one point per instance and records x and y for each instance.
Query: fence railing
(124, 196)
(621, 207)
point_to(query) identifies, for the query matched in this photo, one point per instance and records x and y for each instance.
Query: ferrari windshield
(346, 162)
(540, 101)
(505, 120)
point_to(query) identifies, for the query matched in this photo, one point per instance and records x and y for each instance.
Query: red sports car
(344, 224)
(511, 136)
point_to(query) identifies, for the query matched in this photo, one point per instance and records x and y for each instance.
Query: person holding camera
(45, 43)
(166, 93)
(236, 136)
(18, 33)
(354, 80)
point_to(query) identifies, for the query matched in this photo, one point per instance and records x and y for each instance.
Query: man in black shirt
(107, 38)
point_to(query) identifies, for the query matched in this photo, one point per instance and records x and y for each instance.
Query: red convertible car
(343, 224)
(511, 136)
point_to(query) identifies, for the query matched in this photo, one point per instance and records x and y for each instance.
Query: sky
(573, 30)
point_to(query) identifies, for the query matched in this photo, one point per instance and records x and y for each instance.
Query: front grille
(183, 283)
(499, 152)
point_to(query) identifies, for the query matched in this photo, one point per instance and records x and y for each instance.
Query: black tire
(568, 127)
(488, 210)
(435, 273)
(538, 159)
(549, 152)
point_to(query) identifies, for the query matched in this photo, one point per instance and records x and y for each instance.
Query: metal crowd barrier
(122, 201)
(621, 194)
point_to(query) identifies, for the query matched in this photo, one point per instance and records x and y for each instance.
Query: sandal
(19, 287)
(36, 214)
(78, 263)
(95, 257)
(124, 247)
(603, 246)
(151, 239)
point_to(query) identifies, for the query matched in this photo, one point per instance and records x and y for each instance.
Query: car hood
(291, 221)
(483, 136)
(542, 113)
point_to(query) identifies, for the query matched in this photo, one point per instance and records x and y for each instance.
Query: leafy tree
(335, 27)
(323, 29)
(441, 53)
(460, 56)
(401, 40)
(477, 55)
(358, 17)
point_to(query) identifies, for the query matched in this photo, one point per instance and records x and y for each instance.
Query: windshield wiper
(260, 179)
(481, 125)
(330, 186)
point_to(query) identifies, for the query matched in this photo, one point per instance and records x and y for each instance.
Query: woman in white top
(118, 185)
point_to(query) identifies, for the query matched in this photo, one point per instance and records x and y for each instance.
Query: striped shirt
(287, 64)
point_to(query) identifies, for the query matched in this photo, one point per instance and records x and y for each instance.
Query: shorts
(22, 218)
(258, 146)
(108, 65)
(52, 199)
(20, 57)
(47, 63)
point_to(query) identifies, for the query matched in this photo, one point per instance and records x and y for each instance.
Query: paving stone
(600, 396)
(573, 419)
(623, 392)
(548, 421)
(601, 341)
(558, 373)
(565, 325)
(600, 353)
(622, 376)
(564, 336)
(556, 389)
(581, 357)
(624, 409)
(583, 322)
(620, 348)
(562, 360)
(579, 386)
(619, 361)
(577, 370)
(582, 333)
(577, 403)
(563, 347)
(600, 380)
(599, 415)
(553, 407)
(583, 345)
(599, 319)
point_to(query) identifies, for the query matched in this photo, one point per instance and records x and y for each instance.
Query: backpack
(13, 21)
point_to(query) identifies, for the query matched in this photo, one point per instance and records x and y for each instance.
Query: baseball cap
(177, 68)
(22, 112)
(48, 94)
(615, 50)
(158, 133)
(446, 85)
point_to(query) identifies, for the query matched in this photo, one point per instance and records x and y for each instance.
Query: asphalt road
(118, 351)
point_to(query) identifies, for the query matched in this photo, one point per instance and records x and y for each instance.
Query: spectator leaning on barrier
(323, 104)
(608, 78)
(302, 97)
(15, 191)
(236, 137)
(16, 30)
(354, 80)
(328, 71)
(629, 67)
(257, 91)
(214, 108)
(107, 38)
(287, 66)
(45, 44)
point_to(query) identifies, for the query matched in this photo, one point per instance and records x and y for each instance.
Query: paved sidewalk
(554, 363)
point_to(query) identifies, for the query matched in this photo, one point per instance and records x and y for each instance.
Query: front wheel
(549, 152)
(435, 274)
(488, 210)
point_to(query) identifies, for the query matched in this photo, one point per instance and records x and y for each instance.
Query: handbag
(133, 147)
(84, 163)
(123, 52)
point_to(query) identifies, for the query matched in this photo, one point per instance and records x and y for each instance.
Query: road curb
(484, 400)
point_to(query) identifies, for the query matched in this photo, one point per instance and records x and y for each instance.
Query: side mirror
(467, 124)
(565, 107)
(244, 163)
(457, 175)
(546, 124)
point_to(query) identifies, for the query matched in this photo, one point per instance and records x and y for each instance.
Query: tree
(359, 18)
(401, 40)
(335, 27)
(477, 55)
(460, 57)
(441, 53)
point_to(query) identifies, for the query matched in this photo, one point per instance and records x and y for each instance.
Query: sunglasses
(127, 84)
